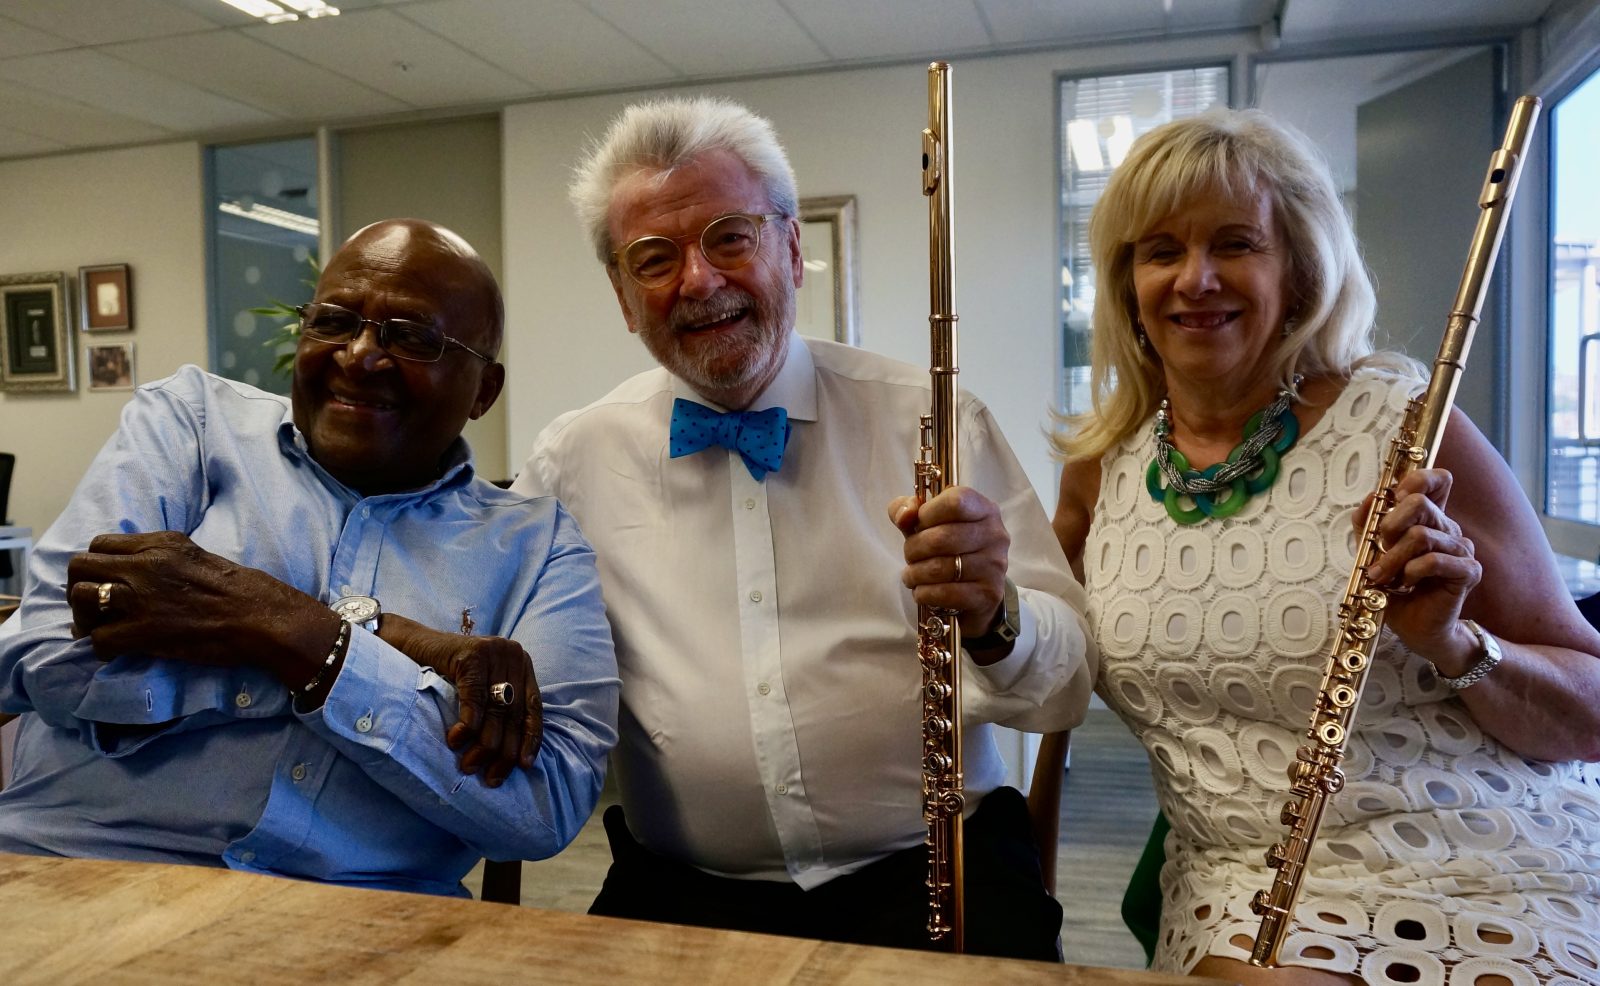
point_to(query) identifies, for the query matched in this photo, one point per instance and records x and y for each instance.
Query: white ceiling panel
(62, 121)
(564, 47)
(1041, 21)
(715, 37)
(101, 72)
(852, 30)
(386, 52)
(100, 22)
(15, 143)
(1317, 20)
(94, 79)
(17, 38)
(270, 79)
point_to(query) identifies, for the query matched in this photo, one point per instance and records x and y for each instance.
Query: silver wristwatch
(1489, 656)
(361, 611)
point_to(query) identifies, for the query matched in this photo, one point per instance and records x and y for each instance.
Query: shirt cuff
(373, 699)
(1005, 673)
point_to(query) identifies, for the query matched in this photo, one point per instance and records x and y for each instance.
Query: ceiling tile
(1022, 22)
(714, 38)
(15, 143)
(396, 57)
(100, 22)
(256, 74)
(19, 39)
(557, 45)
(852, 30)
(1309, 22)
(48, 117)
(94, 79)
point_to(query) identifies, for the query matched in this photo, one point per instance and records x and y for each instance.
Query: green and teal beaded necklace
(1222, 490)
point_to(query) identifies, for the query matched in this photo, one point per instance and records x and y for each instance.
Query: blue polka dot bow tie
(758, 436)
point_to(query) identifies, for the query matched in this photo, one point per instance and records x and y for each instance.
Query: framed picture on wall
(825, 306)
(36, 345)
(105, 295)
(110, 366)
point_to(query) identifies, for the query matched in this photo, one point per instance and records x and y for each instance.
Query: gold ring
(958, 568)
(503, 693)
(103, 593)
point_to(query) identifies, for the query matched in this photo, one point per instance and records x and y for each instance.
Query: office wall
(447, 171)
(852, 133)
(140, 206)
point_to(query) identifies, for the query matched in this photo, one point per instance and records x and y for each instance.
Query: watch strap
(1007, 624)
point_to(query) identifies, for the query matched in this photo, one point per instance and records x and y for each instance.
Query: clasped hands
(162, 595)
(956, 553)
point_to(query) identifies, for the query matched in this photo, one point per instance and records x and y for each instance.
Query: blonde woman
(1232, 327)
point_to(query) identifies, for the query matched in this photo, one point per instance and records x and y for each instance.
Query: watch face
(357, 609)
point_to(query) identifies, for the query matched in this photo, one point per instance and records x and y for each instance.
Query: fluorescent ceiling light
(272, 217)
(311, 8)
(1085, 145)
(256, 8)
(274, 13)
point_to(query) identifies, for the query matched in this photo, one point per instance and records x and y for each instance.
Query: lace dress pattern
(1446, 857)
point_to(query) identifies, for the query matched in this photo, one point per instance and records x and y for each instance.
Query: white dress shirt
(770, 725)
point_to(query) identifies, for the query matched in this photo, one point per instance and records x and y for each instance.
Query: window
(1100, 117)
(263, 221)
(1572, 384)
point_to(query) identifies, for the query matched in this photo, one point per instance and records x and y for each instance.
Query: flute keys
(1261, 903)
(1277, 855)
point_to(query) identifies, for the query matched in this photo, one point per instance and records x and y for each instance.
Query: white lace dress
(1447, 857)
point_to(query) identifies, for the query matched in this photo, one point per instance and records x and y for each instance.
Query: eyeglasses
(398, 337)
(728, 243)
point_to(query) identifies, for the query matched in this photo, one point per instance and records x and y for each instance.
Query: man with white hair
(770, 748)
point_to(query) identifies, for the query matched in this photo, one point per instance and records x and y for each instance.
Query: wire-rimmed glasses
(399, 337)
(728, 243)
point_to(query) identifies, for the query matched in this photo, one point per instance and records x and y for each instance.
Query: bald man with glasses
(762, 598)
(279, 635)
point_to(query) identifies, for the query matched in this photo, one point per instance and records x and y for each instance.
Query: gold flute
(1315, 775)
(938, 635)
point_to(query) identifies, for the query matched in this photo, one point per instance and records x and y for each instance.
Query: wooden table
(89, 921)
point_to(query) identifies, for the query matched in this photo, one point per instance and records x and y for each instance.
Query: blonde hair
(663, 134)
(1234, 154)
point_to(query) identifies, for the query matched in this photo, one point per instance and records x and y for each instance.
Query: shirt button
(298, 773)
(247, 857)
(366, 512)
(242, 700)
(749, 503)
(755, 595)
(764, 688)
(345, 590)
(364, 724)
(782, 789)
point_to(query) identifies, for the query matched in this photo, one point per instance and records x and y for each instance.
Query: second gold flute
(1316, 775)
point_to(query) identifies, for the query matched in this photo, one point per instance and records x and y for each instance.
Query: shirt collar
(794, 388)
(457, 462)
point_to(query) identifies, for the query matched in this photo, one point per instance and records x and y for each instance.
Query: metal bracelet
(339, 645)
(1490, 654)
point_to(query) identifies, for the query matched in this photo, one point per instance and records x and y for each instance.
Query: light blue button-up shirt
(153, 759)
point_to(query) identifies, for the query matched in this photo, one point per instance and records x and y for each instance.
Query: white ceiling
(92, 73)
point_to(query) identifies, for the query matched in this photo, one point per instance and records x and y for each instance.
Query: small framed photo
(105, 296)
(36, 339)
(110, 366)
